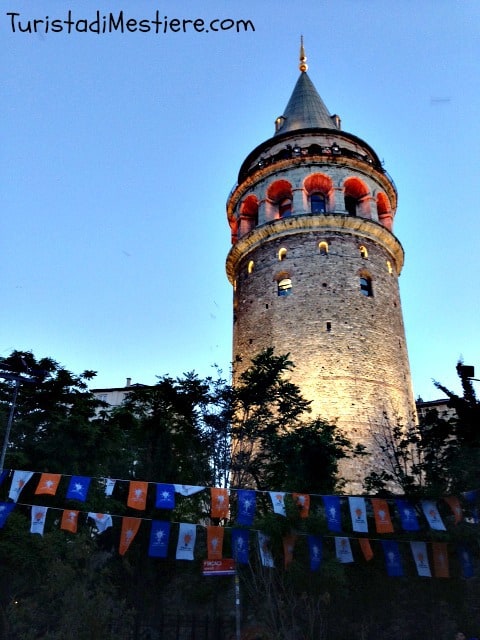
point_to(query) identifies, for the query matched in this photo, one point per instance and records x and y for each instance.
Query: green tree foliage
(275, 444)
(438, 456)
(164, 432)
(58, 426)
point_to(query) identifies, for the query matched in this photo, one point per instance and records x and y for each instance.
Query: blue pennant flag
(333, 513)
(472, 496)
(159, 537)
(466, 561)
(393, 560)
(165, 498)
(315, 551)
(246, 505)
(3, 475)
(408, 516)
(5, 509)
(240, 545)
(78, 488)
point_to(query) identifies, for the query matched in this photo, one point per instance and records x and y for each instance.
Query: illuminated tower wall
(314, 265)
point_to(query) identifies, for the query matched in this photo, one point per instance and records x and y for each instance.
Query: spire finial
(303, 58)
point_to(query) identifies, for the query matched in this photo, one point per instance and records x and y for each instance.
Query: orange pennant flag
(381, 512)
(220, 503)
(288, 547)
(302, 500)
(69, 520)
(454, 504)
(215, 542)
(440, 560)
(137, 495)
(130, 527)
(48, 484)
(366, 548)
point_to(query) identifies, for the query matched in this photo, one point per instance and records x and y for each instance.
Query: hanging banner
(130, 527)
(454, 504)
(240, 545)
(315, 552)
(303, 502)
(69, 520)
(48, 484)
(19, 480)
(393, 560)
(419, 552)
(215, 542)
(246, 505)
(288, 547)
(39, 515)
(220, 504)
(5, 509)
(265, 551)
(430, 511)
(333, 513)
(343, 550)
(440, 560)
(102, 521)
(278, 502)
(186, 541)
(383, 521)
(466, 561)
(78, 488)
(366, 548)
(472, 496)
(109, 486)
(408, 516)
(165, 496)
(159, 537)
(137, 495)
(358, 514)
(187, 489)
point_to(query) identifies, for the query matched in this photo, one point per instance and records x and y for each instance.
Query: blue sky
(118, 152)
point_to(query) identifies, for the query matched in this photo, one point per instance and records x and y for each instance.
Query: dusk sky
(118, 152)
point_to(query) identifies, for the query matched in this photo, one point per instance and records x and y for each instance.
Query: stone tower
(314, 265)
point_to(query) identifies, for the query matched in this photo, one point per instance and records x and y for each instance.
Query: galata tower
(314, 266)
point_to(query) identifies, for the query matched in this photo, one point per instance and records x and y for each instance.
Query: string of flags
(431, 559)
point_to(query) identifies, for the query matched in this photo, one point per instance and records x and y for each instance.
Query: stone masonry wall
(349, 349)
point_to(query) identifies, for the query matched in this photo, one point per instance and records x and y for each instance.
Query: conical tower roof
(305, 109)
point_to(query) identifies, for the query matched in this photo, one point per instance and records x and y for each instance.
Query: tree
(165, 430)
(57, 424)
(275, 444)
(438, 456)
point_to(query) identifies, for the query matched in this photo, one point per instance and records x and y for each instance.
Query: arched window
(284, 287)
(318, 188)
(248, 219)
(384, 211)
(323, 246)
(366, 286)
(389, 267)
(355, 192)
(285, 208)
(363, 251)
(282, 254)
(318, 203)
(351, 205)
(280, 199)
(250, 267)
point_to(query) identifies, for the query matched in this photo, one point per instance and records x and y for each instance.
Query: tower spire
(303, 66)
